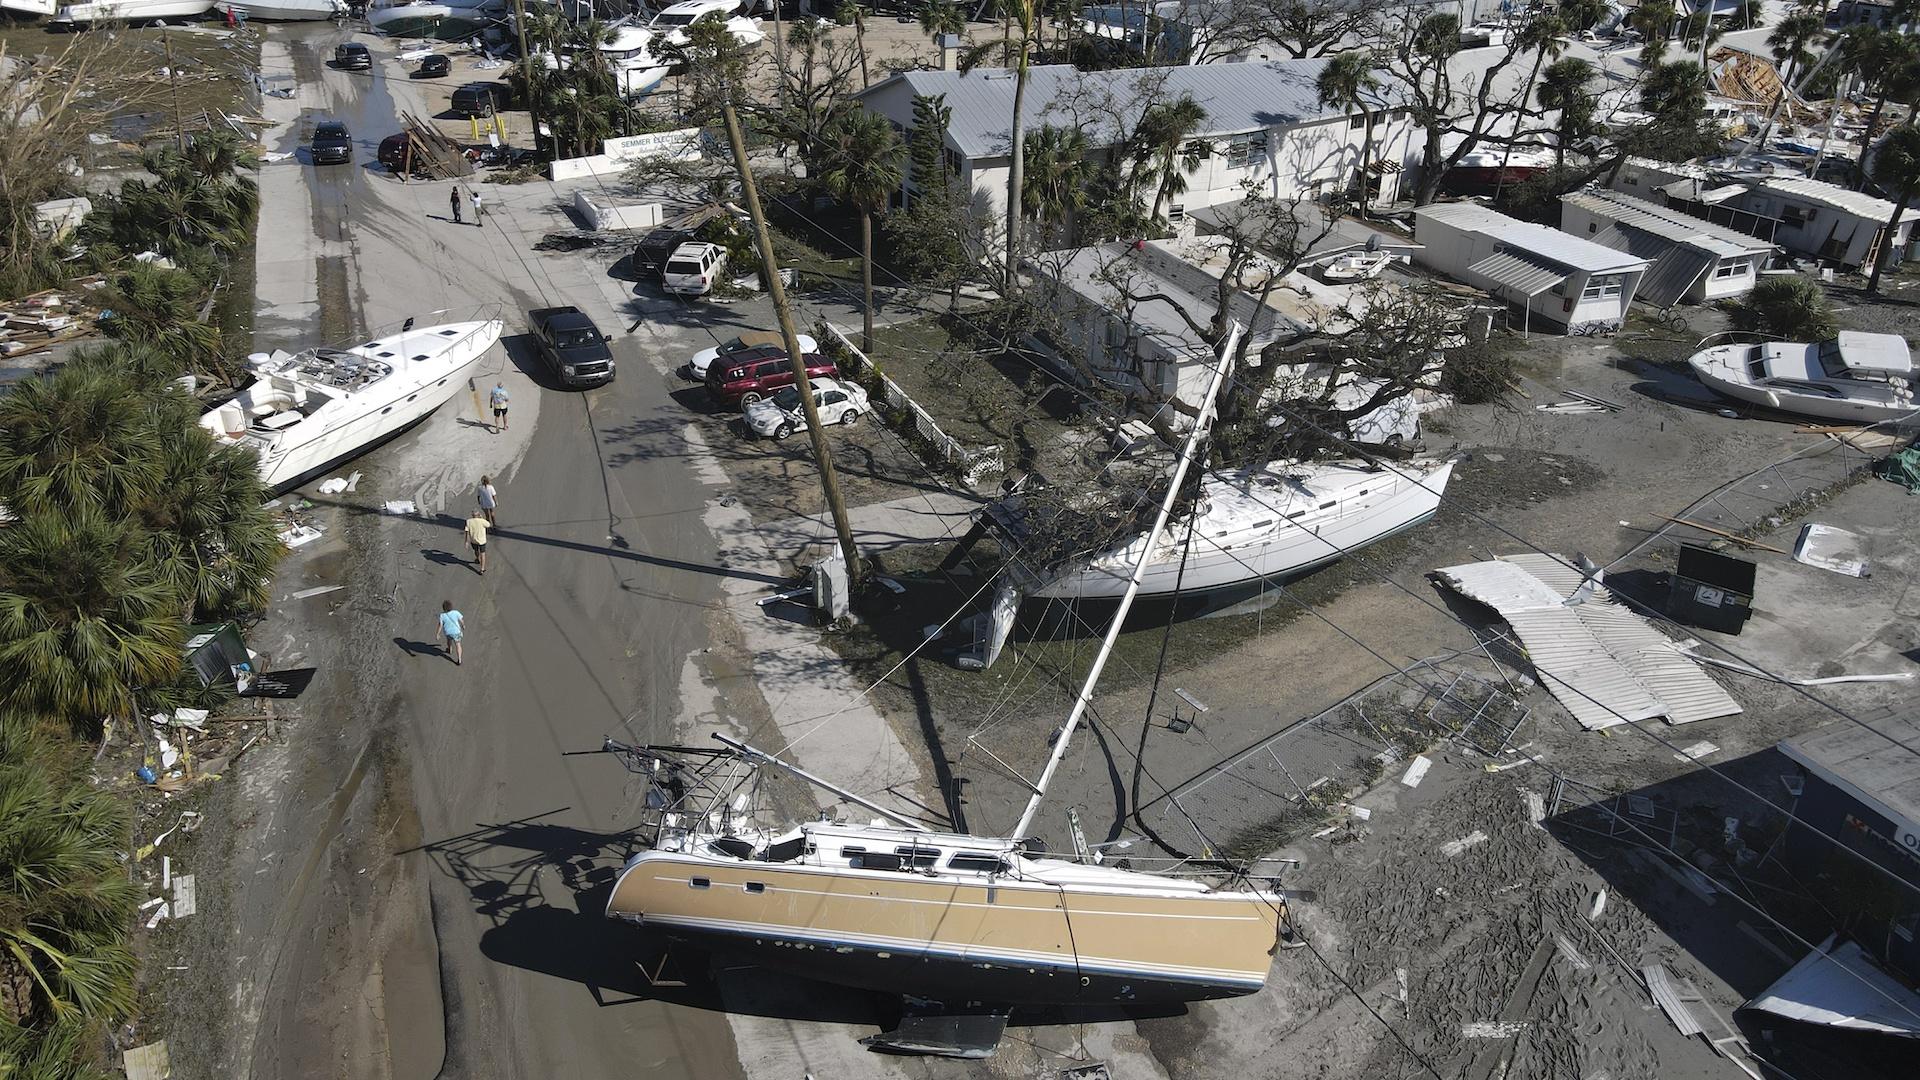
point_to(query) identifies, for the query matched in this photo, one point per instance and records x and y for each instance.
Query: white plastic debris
(168, 755)
(1417, 770)
(399, 507)
(192, 718)
(299, 535)
(333, 485)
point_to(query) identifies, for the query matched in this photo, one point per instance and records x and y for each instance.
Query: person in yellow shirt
(477, 536)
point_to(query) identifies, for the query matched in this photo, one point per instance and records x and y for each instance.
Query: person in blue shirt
(450, 630)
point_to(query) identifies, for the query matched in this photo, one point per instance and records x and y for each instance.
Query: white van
(694, 268)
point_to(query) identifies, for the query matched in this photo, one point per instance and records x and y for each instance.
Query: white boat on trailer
(973, 925)
(1860, 377)
(306, 412)
(1352, 266)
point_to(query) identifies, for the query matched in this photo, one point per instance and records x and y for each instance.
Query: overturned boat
(306, 412)
(1856, 376)
(973, 924)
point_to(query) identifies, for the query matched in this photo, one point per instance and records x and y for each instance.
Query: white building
(1264, 126)
(1550, 280)
(1810, 217)
(1693, 259)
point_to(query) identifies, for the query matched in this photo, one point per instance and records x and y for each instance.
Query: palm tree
(219, 154)
(864, 165)
(1348, 83)
(65, 898)
(1021, 12)
(942, 17)
(1166, 149)
(1887, 64)
(203, 528)
(1654, 21)
(156, 309)
(1896, 165)
(77, 439)
(1058, 174)
(85, 621)
(1790, 40)
(1793, 308)
(1563, 89)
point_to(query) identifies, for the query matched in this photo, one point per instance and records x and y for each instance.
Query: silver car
(778, 416)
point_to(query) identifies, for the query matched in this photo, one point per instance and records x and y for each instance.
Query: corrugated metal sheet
(1607, 665)
(1673, 274)
(1857, 203)
(1633, 241)
(1513, 271)
(1237, 97)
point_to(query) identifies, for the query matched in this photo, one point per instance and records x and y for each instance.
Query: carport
(1517, 275)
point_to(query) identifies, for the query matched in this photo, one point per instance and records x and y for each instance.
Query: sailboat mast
(1200, 421)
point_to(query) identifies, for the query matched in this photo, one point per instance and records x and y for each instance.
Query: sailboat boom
(1200, 421)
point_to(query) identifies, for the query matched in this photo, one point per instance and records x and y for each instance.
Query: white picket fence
(974, 463)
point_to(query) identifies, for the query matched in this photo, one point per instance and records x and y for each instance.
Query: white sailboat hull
(282, 10)
(1285, 548)
(131, 11)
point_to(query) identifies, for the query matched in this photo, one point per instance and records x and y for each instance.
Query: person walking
(453, 200)
(451, 629)
(477, 536)
(477, 208)
(488, 499)
(497, 401)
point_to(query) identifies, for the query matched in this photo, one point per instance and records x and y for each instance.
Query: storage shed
(1549, 279)
(1693, 259)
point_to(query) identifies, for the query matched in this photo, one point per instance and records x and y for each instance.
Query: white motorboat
(283, 10)
(31, 7)
(975, 923)
(446, 20)
(309, 411)
(670, 26)
(630, 51)
(129, 11)
(1264, 523)
(1354, 266)
(1855, 377)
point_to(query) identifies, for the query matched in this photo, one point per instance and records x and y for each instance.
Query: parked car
(481, 98)
(694, 268)
(434, 67)
(739, 348)
(575, 350)
(331, 144)
(782, 414)
(393, 154)
(650, 255)
(748, 382)
(352, 56)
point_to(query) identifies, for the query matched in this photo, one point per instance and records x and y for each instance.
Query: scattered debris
(183, 897)
(1695, 752)
(149, 1062)
(1670, 998)
(1492, 1029)
(316, 591)
(1831, 548)
(1572, 954)
(333, 485)
(300, 535)
(399, 508)
(1536, 807)
(1453, 848)
(1598, 905)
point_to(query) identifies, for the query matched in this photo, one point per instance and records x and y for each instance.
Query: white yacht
(31, 7)
(131, 11)
(307, 412)
(283, 10)
(1856, 376)
(1264, 523)
(672, 22)
(447, 20)
(629, 50)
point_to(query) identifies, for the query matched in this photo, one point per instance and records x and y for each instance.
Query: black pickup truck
(575, 350)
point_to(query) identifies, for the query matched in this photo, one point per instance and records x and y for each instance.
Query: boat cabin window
(698, 883)
(732, 847)
(785, 850)
(1830, 361)
(918, 858)
(755, 886)
(875, 860)
(1328, 505)
(1296, 514)
(981, 864)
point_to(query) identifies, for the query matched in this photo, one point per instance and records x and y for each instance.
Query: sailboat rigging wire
(1201, 418)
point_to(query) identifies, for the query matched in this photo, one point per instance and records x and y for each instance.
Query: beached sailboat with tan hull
(959, 919)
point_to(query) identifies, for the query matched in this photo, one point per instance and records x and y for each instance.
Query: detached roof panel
(1673, 275)
(1841, 988)
(1605, 664)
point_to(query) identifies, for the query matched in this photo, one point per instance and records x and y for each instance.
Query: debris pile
(49, 317)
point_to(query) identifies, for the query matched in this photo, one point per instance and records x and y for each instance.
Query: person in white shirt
(497, 401)
(488, 499)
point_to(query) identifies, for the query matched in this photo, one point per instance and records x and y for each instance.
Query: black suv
(331, 144)
(352, 56)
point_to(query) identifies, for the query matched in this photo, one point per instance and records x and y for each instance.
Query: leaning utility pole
(822, 454)
(526, 71)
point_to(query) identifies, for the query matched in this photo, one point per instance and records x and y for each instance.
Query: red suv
(743, 380)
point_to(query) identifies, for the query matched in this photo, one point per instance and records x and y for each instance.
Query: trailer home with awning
(1550, 280)
(1693, 259)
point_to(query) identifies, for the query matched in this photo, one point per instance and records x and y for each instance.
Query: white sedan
(769, 340)
(781, 415)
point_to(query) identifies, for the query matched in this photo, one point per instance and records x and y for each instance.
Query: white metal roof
(1857, 203)
(1872, 764)
(1537, 240)
(1237, 98)
(1666, 223)
(1607, 665)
